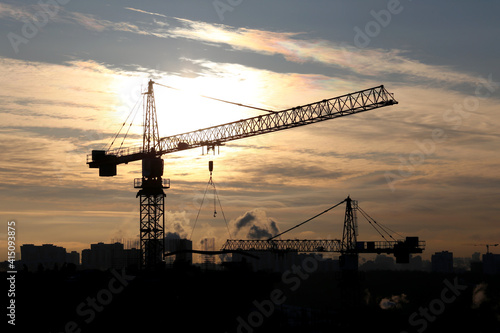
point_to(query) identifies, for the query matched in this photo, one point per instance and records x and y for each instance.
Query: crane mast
(151, 137)
(151, 189)
(151, 185)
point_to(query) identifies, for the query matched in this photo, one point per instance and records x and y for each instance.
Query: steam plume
(257, 224)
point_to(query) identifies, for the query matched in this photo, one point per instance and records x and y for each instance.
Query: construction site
(263, 284)
(152, 184)
(285, 282)
(250, 166)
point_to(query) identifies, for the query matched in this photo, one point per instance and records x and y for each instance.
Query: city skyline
(175, 246)
(427, 167)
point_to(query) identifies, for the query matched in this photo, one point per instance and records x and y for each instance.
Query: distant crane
(349, 247)
(151, 186)
(487, 246)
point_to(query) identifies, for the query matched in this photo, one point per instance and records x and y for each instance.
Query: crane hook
(211, 169)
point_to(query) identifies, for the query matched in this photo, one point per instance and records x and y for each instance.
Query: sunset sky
(72, 71)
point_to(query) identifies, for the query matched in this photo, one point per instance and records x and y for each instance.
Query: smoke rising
(395, 302)
(479, 295)
(172, 235)
(367, 296)
(255, 224)
(176, 223)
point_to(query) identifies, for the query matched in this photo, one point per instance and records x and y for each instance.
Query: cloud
(370, 62)
(92, 22)
(62, 15)
(295, 47)
(54, 131)
(145, 12)
(13, 12)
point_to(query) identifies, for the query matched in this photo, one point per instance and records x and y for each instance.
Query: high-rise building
(73, 258)
(47, 256)
(442, 262)
(476, 257)
(133, 257)
(491, 263)
(104, 256)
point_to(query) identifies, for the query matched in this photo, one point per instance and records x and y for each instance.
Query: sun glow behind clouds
(104, 97)
(186, 110)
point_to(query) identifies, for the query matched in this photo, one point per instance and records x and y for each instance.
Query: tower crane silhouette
(151, 185)
(487, 246)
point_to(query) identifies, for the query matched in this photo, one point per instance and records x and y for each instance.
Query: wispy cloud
(91, 22)
(145, 12)
(13, 12)
(62, 15)
(295, 47)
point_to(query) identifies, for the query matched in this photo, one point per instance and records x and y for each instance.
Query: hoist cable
(222, 211)
(216, 198)
(199, 210)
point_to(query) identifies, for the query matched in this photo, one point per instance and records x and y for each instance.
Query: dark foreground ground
(190, 300)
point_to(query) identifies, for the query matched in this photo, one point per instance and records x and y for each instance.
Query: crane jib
(357, 102)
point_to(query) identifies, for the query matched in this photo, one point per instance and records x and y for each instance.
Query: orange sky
(426, 167)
